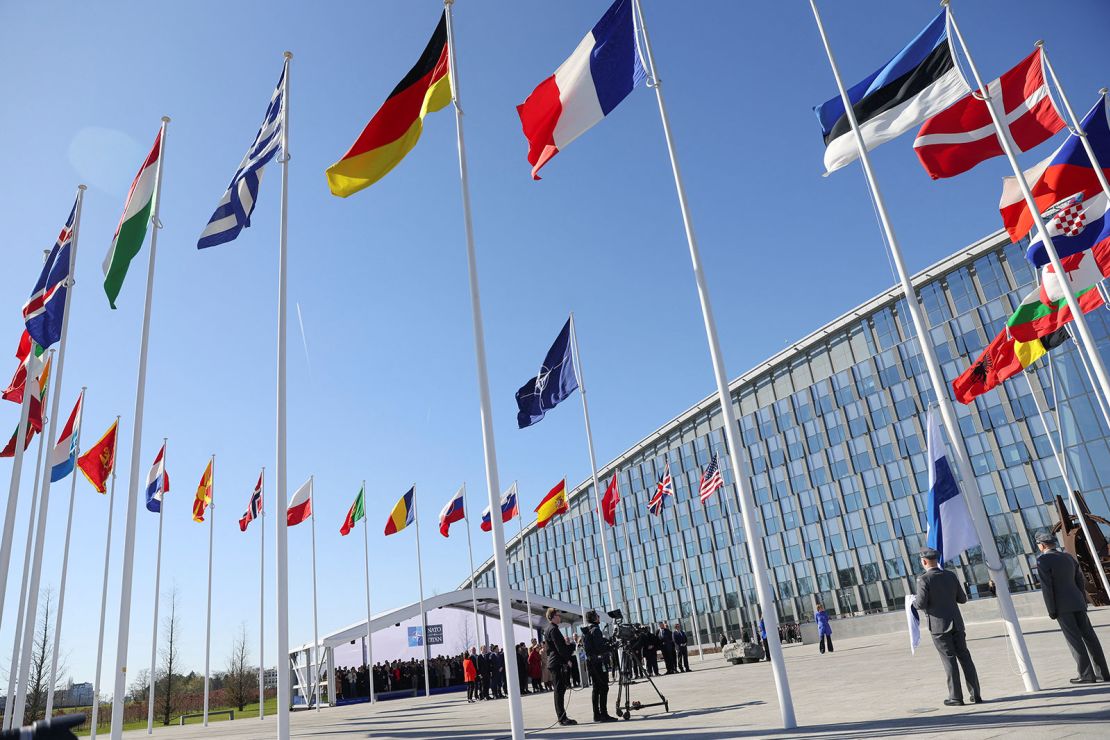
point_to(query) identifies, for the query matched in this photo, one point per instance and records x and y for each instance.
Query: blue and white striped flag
(233, 214)
(951, 530)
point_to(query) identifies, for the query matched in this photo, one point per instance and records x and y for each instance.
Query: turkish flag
(609, 502)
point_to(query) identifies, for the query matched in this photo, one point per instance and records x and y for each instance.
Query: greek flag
(233, 214)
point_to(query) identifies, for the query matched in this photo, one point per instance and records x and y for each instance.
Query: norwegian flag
(710, 480)
(44, 310)
(665, 487)
(254, 509)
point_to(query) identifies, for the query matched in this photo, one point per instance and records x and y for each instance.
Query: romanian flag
(1003, 358)
(204, 494)
(395, 128)
(98, 462)
(553, 504)
(403, 514)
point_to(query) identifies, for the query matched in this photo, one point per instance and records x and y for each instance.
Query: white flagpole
(631, 589)
(739, 583)
(369, 630)
(728, 415)
(593, 459)
(44, 495)
(493, 484)
(262, 601)
(128, 566)
(420, 580)
(281, 527)
(13, 487)
(694, 611)
(314, 673)
(94, 720)
(208, 619)
(10, 715)
(65, 568)
(524, 562)
(157, 597)
(940, 389)
(470, 550)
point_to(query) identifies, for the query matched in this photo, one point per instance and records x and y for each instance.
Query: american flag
(254, 509)
(665, 487)
(710, 480)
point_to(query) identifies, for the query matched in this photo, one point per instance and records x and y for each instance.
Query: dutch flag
(951, 530)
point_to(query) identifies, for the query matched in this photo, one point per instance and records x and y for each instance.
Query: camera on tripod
(629, 636)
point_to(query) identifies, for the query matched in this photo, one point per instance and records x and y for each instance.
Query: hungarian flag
(356, 513)
(403, 514)
(609, 502)
(1003, 358)
(98, 462)
(204, 494)
(553, 504)
(960, 137)
(396, 127)
(300, 506)
(131, 230)
(1034, 319)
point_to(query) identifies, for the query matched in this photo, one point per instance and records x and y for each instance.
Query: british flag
(44, 310)
(254, 509)
(710, 480)
(665, 487)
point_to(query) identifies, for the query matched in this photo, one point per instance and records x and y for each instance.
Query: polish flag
(300, 506)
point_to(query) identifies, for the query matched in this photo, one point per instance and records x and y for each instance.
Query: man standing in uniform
(666, 643)
(597, 651)
(680, 644)
(1066, 599)
(559, 659)
(939, 595)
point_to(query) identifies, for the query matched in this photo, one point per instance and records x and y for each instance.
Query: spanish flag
(553, 504)
(98, 462)
(403, 514)
(395, 128)
(204, 494)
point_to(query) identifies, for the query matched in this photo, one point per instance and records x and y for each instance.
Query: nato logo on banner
(435, 635)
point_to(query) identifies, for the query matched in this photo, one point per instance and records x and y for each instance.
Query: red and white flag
(711, 480)
(962, 136)
(609, 502)
(300, 506)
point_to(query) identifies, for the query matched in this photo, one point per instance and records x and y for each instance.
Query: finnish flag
(951, 530)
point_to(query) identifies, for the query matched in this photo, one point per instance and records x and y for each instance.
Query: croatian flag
(453, 512)
(157, 482)
(64, 454)
(585, 88)
(950, 528)
(509, 509)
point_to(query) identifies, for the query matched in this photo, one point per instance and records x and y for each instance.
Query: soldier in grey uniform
(1066, 599)
(939, 595)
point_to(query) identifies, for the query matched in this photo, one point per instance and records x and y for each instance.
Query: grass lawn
(250, 711)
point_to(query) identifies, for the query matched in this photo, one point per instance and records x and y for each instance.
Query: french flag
(950, 527)
(585, 88)
(453, 512)
(509, 509)
(157, 482)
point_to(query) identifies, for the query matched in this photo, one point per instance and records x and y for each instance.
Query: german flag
(395, 128)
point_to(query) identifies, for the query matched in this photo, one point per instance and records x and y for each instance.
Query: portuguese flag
(132, 224)
(355, 514)
(395, 128)
(1001, 360)
(1034, 319)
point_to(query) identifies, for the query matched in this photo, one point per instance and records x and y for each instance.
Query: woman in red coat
(535, 667)
(470, 677)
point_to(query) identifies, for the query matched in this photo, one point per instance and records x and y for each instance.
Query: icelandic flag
(44, 310)
(951, 530)
(64, 454)
(453, 512)
(509, 509)
(555, 381)
(157, 482)
(585, 88)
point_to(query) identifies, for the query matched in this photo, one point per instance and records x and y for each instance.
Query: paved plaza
(871, 687)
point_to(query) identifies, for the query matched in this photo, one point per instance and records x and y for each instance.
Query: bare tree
(241, 679)
(169, 684)
(38, 681)
(466, 637)
(140, 687)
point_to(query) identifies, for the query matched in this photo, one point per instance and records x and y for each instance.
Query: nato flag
(555, 381)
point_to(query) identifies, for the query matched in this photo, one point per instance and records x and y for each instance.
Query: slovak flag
(454, 511)
(64, 454)
(157, 482)
(509, 510)
(585, 88)
(951, 530)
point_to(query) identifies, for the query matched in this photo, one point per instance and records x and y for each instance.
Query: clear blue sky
(389, 392)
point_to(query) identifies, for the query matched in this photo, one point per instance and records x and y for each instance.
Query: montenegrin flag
(396, 127)
(553, 504)
(204, 494)
(300, 506)
(131, 230)
(356, 513)
(98, 462)
(403, 514)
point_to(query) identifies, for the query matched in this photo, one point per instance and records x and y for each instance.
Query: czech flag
(553, 504)
(509, 509)
(157, 482)
(403, 514)
(585, 88)
(453, 512)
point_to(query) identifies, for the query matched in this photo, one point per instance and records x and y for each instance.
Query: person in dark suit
(1065, 597)
(497, 672)
(651, 653)
(666, 644)
(482, 663)
(560, 657)
(681, 642)
(939, 595)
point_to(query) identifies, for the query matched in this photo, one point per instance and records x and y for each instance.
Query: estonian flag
(919, 82)
(951, 530)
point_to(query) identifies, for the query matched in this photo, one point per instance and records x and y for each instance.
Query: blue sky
(387, 391)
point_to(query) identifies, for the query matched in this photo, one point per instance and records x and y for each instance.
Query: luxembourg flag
(64, 454)
(585, 88)
(453, 512)
(157, 482)
(950, 528)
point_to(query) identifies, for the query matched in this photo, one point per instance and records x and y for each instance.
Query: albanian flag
(1003, 358)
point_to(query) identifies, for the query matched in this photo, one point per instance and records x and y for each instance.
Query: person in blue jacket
(763, 638)
(824, 629)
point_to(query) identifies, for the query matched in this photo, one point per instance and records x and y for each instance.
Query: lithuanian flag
(403, 514)
(1003, 358)
(395, 128)
(553, 504)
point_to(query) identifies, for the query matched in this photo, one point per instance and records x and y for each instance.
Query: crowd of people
(397, 675)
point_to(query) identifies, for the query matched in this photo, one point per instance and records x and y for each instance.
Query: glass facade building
(833, 429)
